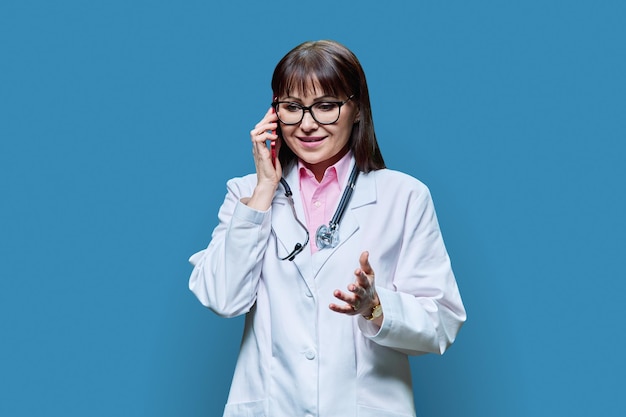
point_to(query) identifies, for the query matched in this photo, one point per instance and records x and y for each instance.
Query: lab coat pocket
(364, 411)
(248, 409)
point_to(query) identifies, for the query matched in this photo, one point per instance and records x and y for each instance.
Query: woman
(330, 319)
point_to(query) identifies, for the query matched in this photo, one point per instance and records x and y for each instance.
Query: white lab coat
(299, 358)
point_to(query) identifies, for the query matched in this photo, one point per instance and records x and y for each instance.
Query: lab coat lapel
(288, 231)
(364, 194)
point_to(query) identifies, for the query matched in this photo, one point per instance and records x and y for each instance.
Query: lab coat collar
(288, 232)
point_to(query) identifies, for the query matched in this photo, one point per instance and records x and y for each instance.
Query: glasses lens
(326, 113)
(289, 113)
(292, 113)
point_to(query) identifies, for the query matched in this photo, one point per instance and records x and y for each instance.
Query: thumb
(365, 263)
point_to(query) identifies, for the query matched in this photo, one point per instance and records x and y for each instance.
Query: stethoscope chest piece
(326, 237)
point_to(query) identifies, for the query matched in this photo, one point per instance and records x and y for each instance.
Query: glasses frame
(304, 109)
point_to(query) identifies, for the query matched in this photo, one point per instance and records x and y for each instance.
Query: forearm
(226, 274)
(415, 325)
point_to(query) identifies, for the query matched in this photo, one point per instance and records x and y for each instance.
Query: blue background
(120, 122)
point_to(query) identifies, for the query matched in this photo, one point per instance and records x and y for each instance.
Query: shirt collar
(339, 169)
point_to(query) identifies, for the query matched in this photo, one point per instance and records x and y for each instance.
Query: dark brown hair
(336, 70)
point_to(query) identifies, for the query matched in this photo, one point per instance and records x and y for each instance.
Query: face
(319, 146)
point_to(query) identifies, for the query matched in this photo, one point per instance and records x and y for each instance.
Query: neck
(320, 168)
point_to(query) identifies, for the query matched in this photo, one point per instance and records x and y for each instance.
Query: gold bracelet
(377, 311)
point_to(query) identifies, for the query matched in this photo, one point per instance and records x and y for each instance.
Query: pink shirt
(320, 199)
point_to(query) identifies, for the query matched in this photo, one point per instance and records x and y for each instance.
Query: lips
(311, 139)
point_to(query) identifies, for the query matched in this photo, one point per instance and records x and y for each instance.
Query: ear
(357, 116)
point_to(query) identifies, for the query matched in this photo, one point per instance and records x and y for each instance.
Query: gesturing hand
(362, 296)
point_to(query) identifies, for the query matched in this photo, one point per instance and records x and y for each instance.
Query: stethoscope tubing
(326, 236)
(345, 199)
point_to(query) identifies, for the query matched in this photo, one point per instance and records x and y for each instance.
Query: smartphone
(273, 142)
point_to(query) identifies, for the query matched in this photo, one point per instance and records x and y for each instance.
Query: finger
(354, 288)
(269, 118)
(259, 148)
(271, 114)
(365, 263)
(345, 297)
(344, 309)
(268, 124)
(352, 301)
(264, 133)
(263, 160)
(362, 281)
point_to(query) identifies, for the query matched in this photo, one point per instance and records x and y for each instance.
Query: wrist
(262, 197)
(375, 312)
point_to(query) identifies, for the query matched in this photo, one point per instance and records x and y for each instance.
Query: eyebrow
(315, 100)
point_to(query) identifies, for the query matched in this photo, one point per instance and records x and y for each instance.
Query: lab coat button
(310, 354)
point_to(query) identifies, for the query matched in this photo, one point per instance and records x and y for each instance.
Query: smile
(310, 139)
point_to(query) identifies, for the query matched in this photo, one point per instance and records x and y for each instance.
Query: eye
(291, 107)
(324, 107)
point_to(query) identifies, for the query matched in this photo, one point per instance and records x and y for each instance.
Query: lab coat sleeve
(423, 311)
(226, 274)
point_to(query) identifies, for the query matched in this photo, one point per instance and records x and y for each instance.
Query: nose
(308, 123)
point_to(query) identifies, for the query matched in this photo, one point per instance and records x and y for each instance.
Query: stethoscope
(326, 236)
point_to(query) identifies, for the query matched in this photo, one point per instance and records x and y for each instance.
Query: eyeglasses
(323, 112)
